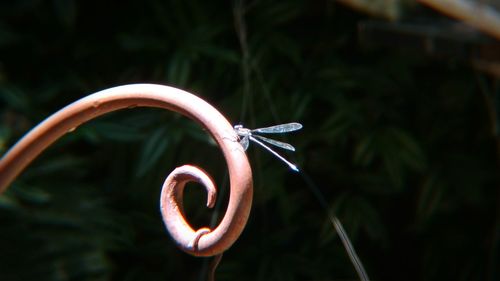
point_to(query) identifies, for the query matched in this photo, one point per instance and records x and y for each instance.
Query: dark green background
(402, 146)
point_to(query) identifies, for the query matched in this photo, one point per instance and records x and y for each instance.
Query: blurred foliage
(400, 145)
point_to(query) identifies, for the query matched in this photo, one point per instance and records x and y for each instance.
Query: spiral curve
(203, 242)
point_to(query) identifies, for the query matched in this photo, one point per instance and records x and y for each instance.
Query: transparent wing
(292, 166)
(280, 144)
(244, 142)
(282, 128)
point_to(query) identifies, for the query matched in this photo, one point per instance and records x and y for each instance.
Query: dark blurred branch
(239, 11)
(441, 39)
(475, 13)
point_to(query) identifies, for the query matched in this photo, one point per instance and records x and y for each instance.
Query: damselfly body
(247, 135)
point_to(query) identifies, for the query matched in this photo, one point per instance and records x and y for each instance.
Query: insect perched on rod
(247, 135)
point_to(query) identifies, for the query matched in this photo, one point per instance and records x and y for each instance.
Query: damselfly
(247, 135)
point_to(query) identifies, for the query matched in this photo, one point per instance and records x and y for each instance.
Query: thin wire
(213, 266)
(247, 67)
(209, 265)
(266, 91)
(239, 11)
(351, 252)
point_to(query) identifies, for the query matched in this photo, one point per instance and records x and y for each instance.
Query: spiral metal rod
(202, 242)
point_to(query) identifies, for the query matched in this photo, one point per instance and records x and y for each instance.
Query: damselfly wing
(247, 135)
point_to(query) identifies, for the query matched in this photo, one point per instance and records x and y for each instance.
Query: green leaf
(114, 131)
(178, 69)
(55, 165)
(363, 152)
(33, 195)
(152, 150)
(14, 97)
(8, 202)
(431, 194)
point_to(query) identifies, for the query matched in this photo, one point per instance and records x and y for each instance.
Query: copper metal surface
(203, 242)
